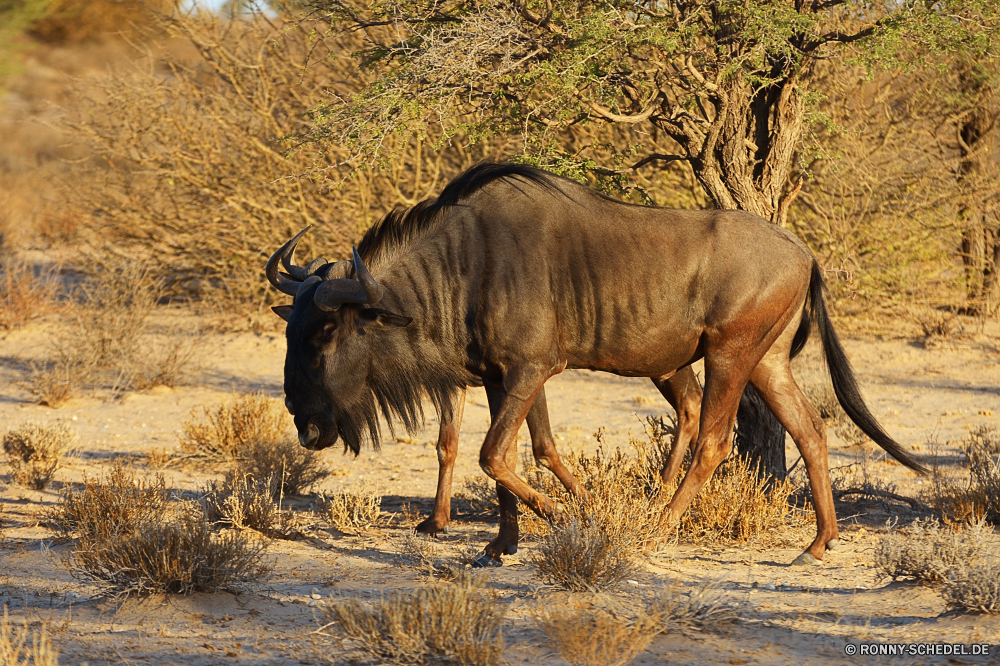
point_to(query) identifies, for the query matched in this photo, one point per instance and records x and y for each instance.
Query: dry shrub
(704, 607)
(416, 549)
(581, 557)
(116, 505)
(243, 501)
(625, 503)
(176, 556)
(351, 509)
(20, 646)
(737, 504)
(929, 552)
(979, 497)
(75, 21)
(628, 498)
(297, 468)
(208, 186)
(456, 622)
(24, 293)
(822, 397)
(974, 586)
(35, 451)
(108, 341)
(223, 433)
(597, 637)
(480, 492)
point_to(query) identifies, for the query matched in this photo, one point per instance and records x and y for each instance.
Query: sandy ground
(923, 394)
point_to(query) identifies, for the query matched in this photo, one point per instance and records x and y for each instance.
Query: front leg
(509, 405)
(447, 451)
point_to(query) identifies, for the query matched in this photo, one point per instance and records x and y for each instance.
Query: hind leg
(684, 394)
(773, 380)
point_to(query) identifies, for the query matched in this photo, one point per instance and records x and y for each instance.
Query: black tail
(844, 383)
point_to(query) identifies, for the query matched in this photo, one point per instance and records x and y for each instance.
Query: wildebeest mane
(403, 225)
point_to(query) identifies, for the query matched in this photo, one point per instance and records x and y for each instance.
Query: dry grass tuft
(598, 637)
(628, 498)
(107, 341)
(979, 497)
(579, 556)
(35, 451)
(929, 552)
(416, 549)
(131, 541)
(822, 397)
(25, 295)
(480, 492)
(252, 431)
(704, 607)
(223, 433)
(178, 556)
(351, 509)
(243, 501)
(20, 646)
(298, 469)
(737, 504)
(974, 587)
(117, 505)
(456, 622)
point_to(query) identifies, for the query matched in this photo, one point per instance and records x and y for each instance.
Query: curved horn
(373, 292)
(278, 281)
(331, 294)
(288, 258)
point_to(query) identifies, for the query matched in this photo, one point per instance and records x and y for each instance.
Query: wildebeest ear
(376, 317)
(283, 311)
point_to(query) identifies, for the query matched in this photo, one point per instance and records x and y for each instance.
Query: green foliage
(16, 16)
(711, 76)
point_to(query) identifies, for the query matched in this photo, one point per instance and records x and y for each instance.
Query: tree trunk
(758, 131)
(979, 238)
(760, 438)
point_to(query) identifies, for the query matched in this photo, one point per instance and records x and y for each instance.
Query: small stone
(770, 586)
(315, 594)
(755, 585)
(312, 603)
(631, 582)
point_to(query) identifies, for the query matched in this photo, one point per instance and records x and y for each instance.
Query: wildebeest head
(335, 334)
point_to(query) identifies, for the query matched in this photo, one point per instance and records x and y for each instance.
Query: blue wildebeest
(513, 275)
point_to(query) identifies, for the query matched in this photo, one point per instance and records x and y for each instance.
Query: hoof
(511, 550)
(485, 561)
(803, 560)
(832, 544)
(431, 527)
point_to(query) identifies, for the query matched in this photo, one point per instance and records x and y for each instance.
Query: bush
(480, 492)
(979, 497)
(179, 556)
(627, 497)
(35, 451)
(112, 507)
(284, 460)
(351, 510)
(23, 294)
(224, 433)
(974, 587)
(578, 556)
(243, 501)
(928, 552)
(597, 637)
(457, 622)
(107, 341)
(20, 646)
(704, 607)
(738, 504)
